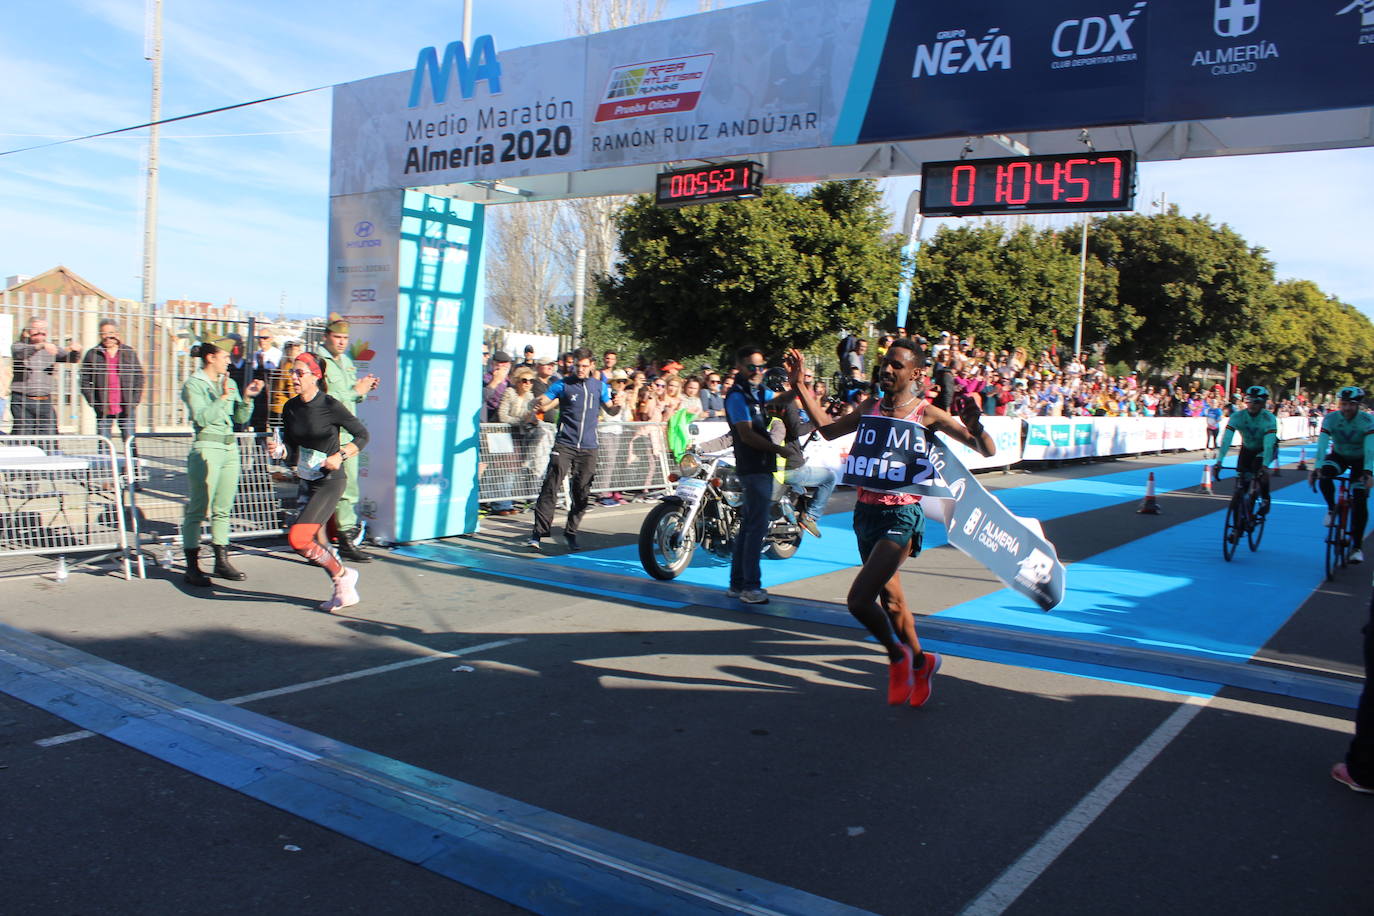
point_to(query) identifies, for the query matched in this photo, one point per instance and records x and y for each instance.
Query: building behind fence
(161, 338)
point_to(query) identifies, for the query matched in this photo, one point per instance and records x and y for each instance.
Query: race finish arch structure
(808, 90)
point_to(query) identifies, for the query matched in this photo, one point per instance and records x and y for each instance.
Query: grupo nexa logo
(1234, 18)
(954, 51)
(1095, 35)
(469, 70)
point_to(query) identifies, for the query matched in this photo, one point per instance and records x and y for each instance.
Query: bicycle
(1339, 538)
(1243, 516)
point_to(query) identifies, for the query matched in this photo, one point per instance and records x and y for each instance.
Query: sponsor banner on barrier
(1060, 438)
(831, 453)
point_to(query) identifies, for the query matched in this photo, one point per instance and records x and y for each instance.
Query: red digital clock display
(1063, 183)
(708, 184)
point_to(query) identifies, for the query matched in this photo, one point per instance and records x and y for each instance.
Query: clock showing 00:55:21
(1059, 183)
(708, 184)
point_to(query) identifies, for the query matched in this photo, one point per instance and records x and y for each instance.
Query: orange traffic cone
(1302, 459)
(1150, 505)
(1206, 477)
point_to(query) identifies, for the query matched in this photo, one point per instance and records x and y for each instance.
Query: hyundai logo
(363, 229)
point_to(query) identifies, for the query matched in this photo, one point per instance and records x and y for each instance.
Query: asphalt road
(538, 737)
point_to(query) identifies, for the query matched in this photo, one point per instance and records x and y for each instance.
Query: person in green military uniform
(212, 467)
(345, 387)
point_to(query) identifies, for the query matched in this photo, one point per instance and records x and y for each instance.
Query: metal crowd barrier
(61, 495)
(631, 457)
(155, 476)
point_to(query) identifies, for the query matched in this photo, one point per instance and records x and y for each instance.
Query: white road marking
(1002, 893)
(311, 685)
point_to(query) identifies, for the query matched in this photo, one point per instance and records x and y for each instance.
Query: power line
(198, 114)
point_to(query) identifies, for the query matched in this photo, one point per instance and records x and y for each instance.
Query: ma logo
(482, 65)
(1234, 18)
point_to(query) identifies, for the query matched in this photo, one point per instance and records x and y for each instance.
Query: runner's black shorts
(903, 525)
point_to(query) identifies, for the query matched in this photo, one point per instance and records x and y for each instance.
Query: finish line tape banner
(899, 456)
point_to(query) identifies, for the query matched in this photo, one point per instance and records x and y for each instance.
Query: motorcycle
(705, 510)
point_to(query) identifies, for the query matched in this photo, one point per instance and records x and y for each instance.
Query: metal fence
(161, 339)
(632, 457)
(156, 479)
(61, 495)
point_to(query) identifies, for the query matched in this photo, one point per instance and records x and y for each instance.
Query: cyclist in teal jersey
(1259, 439)
(1348, 431)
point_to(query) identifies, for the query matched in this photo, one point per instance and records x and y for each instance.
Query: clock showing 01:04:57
(1058, 183)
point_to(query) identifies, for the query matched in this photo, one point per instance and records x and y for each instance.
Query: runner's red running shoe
(920, 692)
(900, 678)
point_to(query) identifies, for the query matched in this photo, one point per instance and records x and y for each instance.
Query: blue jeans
(818, 476)
(745, 574)
(104, 426)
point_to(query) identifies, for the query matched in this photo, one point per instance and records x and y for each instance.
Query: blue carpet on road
(1171, 591)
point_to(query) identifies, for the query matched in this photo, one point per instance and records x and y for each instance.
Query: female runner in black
(310, 424)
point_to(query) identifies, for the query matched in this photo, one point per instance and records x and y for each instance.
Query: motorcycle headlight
(689, 463)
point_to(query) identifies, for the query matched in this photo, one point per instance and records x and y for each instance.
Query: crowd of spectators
(1004, 381)
(1014, 382)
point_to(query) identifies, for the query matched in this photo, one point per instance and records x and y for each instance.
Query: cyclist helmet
(1350, 393)
(1256, 393)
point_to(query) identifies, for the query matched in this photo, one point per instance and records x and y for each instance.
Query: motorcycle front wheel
(782, 546)
(665, 547)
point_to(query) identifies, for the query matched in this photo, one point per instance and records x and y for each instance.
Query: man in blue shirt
(579, 396)
(755, 460)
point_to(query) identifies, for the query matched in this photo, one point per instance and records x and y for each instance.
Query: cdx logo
(1095, 35)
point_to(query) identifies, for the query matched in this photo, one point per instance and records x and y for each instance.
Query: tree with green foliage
(1310, 336)
(785, 269)
(1008, 289)
(1199, 291)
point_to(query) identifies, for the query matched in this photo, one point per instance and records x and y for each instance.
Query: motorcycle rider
(797, 473)
(755, 461)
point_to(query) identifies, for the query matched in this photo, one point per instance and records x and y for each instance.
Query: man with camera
(755, 460)
(31, 393)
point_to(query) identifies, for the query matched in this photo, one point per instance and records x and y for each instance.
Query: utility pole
(579, 294)
(1082, 286)
(152, 52)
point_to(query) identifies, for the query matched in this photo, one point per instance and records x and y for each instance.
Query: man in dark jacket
(112, 382)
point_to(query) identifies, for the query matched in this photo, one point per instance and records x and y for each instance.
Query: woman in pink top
(890, 525)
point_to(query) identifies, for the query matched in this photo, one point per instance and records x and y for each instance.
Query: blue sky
(244, 199)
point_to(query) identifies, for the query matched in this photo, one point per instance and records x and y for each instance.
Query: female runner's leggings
(303, 536)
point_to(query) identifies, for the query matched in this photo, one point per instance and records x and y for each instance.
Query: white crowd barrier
(631, 458)
(61, 495)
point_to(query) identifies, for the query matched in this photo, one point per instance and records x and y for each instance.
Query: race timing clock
(709, 184)
(1061, 183)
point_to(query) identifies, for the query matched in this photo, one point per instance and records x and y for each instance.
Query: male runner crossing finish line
(890, 525)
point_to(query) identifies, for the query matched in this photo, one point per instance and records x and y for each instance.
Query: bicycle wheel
(1230, 533)
(1256, 531)
(1347, 540)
